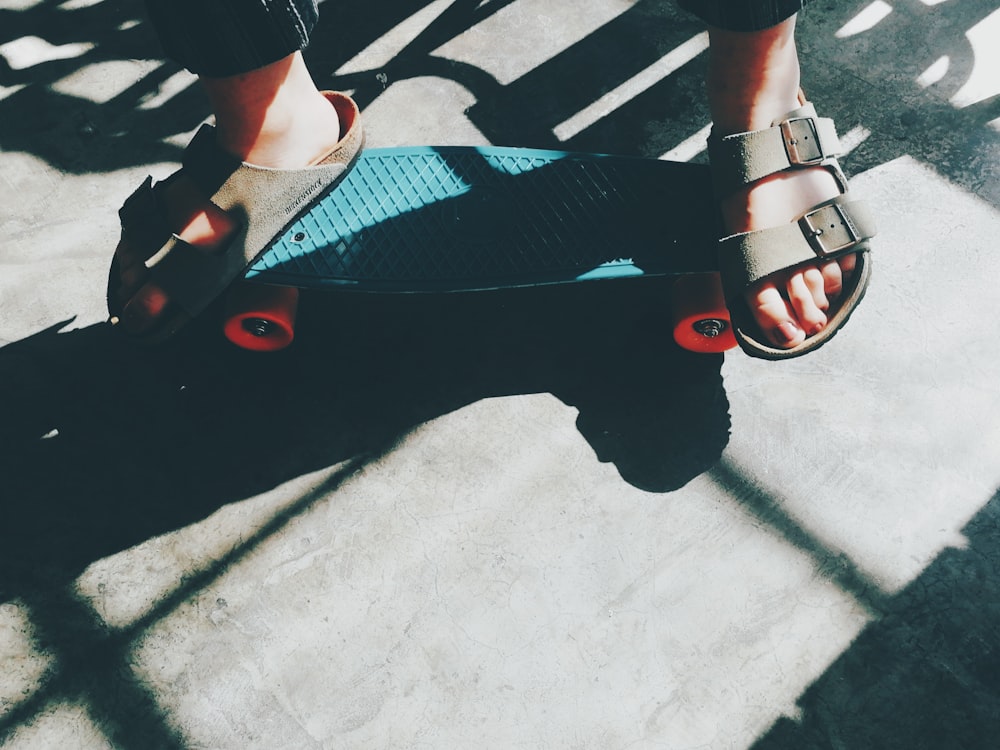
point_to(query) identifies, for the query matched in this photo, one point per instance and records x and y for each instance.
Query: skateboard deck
(463, 219)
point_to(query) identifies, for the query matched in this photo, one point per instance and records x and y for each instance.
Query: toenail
(787, 332)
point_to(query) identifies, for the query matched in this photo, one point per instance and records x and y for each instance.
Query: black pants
(219, 38)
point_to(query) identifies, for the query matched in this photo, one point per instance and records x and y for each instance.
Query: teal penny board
(430, 219)
(463, 219)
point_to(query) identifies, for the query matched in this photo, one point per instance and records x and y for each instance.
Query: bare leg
(754, 79)
(272, 117)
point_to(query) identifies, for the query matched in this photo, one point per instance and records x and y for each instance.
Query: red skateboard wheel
(701, 320)
(261, 318)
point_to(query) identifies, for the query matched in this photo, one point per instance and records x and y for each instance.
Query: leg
(753, 80)
(271, 115)
(247, 55)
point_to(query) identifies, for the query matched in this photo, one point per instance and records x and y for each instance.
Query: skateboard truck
(261, 318)
(258, 326)
(700, 319)
(709, 327)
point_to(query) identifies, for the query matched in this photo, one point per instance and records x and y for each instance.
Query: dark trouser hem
(742, 15)
(219, 38)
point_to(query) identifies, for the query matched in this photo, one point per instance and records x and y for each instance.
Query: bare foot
(754, 80)
(293, 126)
(793, 305)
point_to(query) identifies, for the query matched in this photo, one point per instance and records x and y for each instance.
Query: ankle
(273, 116)
(292, 133)
(756, 111)
(753, 78)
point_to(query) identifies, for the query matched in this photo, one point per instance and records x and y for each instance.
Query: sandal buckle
(829, 230)
(801, 140)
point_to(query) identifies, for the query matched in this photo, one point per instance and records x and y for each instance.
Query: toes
(143, 309)
(815, 288)
(833, 280)
(788, 310)
(131, 278)
(773, 316)
(138, 303)
(847, 264)
(131, 270)
(808, 300)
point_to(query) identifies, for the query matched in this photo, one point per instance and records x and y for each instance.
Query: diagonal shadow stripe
(767, 507)
(93, 663)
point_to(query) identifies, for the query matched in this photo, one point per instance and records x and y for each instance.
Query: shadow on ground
(107, 445)
(41, 114)
(926, 676)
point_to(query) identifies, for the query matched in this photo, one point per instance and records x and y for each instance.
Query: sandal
(263, 202)
(827, 231)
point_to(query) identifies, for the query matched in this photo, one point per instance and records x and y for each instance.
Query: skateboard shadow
(106, 444)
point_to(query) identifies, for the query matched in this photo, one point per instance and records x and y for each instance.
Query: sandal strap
(205, 163)
(262, 201)
(142, 219)
(798, 139)
(827, 231)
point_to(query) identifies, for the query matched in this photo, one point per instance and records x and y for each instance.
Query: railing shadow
(926, 675)
(107, 445)
(41, 116)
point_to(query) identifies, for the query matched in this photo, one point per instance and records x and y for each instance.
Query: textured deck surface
(455, 219)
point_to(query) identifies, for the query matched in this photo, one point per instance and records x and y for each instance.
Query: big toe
(143, 309)
(774, 317)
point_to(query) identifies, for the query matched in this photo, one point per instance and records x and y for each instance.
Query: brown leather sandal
(827, 231)
(262, 201)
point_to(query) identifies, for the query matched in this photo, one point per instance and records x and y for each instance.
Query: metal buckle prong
(801, 140)
(829, 224)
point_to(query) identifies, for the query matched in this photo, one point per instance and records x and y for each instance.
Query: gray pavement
(517, 520)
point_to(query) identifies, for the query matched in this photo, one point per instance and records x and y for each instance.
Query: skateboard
(468, 219)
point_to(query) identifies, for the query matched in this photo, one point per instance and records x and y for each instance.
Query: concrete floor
(513, 520)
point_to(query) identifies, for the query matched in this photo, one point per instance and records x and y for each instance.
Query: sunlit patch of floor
(870, 17)
(29, 51)
(983, 82)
